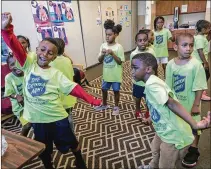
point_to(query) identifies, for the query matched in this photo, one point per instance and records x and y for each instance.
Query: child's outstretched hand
(6, 20)
(205, 123)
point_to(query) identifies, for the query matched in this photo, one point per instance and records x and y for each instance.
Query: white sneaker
(204, 97)
(144, 167)
(101, 107)
(115, 111)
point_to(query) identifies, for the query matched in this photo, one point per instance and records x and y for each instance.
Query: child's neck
(147, 76)
(181, 61)
(200, 33)
(159, 29)
(111, 44)
(142, 50)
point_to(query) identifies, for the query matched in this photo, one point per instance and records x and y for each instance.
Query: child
(200, 50)
(42, 87)
(141, 40)
(162, 35)
(64, 65)
(14, 90)
(150, 34)
(167, 114)
(112, 56)
(186, 77)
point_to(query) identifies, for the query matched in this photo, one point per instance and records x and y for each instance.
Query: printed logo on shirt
(36, 85)
(153, 112)
(179, 83)
(108, 59)
(159, 39)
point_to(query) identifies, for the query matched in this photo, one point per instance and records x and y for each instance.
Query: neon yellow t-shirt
(168, 126)
(42, 93)
(200, 42)
(185, 80)
(64, 65)
(161, 42)
(112, 72)
(136, 51)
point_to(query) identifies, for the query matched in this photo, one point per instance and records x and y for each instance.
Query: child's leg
(44, 134)
(25, 129)
(155, 147)
(164, 61)
(116, 88)
(138, 104)
(116, 98)
(105, 95)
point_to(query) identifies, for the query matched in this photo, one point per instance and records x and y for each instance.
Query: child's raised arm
(178, 109)
(11, 40)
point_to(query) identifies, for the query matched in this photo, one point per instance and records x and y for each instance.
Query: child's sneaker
(102, 107)
(144, 167)
(115, 111)
(205, 97)
(191, 157)
(138, 114)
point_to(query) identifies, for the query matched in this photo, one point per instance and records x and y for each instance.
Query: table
(20, 150)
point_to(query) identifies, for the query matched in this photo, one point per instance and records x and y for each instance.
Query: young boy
(14, 90)
(141, 40)
(167, 114)
(186, 77)
(42, 102)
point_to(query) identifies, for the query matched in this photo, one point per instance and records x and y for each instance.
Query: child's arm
(11, 40)
(102, 55)
(209, 36)
(116, 58)
(196, 104)
(179, 110)
(201, 55)
(79, 92)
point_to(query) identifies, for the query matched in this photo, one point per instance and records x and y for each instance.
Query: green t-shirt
(14, 85)
(200, 42)
(42, 93)
(136, 51)
(169, 127)
(185, 80)
(112, 72)
(64, 65)
(161, 42)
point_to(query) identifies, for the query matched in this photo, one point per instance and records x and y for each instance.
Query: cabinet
(163, 8)
(167, 7)
(196, 6)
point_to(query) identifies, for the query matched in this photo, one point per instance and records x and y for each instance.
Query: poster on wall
(44, 32)
(4, 51)
(59, 32)
(109, 13)
(40, 13)
(60, 11)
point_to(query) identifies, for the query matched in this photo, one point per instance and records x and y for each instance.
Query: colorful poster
(4, 51)
(126, 7)
(59, 32)
(40, 13)
(44, 32)
(109, 13)
(60, 11)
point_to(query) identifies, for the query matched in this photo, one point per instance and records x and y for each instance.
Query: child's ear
(149, 69)
(175, 47)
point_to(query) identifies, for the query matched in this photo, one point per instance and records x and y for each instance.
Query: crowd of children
(41, 83)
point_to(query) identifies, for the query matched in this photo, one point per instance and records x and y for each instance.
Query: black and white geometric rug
(107, 142)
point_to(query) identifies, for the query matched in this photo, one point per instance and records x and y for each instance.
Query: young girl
(200, 50)
(64, 65)
(112, 56)
(14, 90)
(42, 88)
(162, 35)
(142, 42)
(186, 78)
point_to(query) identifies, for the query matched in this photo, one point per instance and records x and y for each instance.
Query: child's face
(184, 47)
(24, 43)
(160, 23)
(151, 37)
(46, 52)
(138, 70)
(142, 41)
(13, 68)
(110, 36)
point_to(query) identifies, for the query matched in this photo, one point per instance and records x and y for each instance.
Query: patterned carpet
(107, 142)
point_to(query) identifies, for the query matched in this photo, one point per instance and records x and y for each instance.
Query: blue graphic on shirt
(159, 39)
(108, 59)
(179, 83)
(36, 85)
(153, 112)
